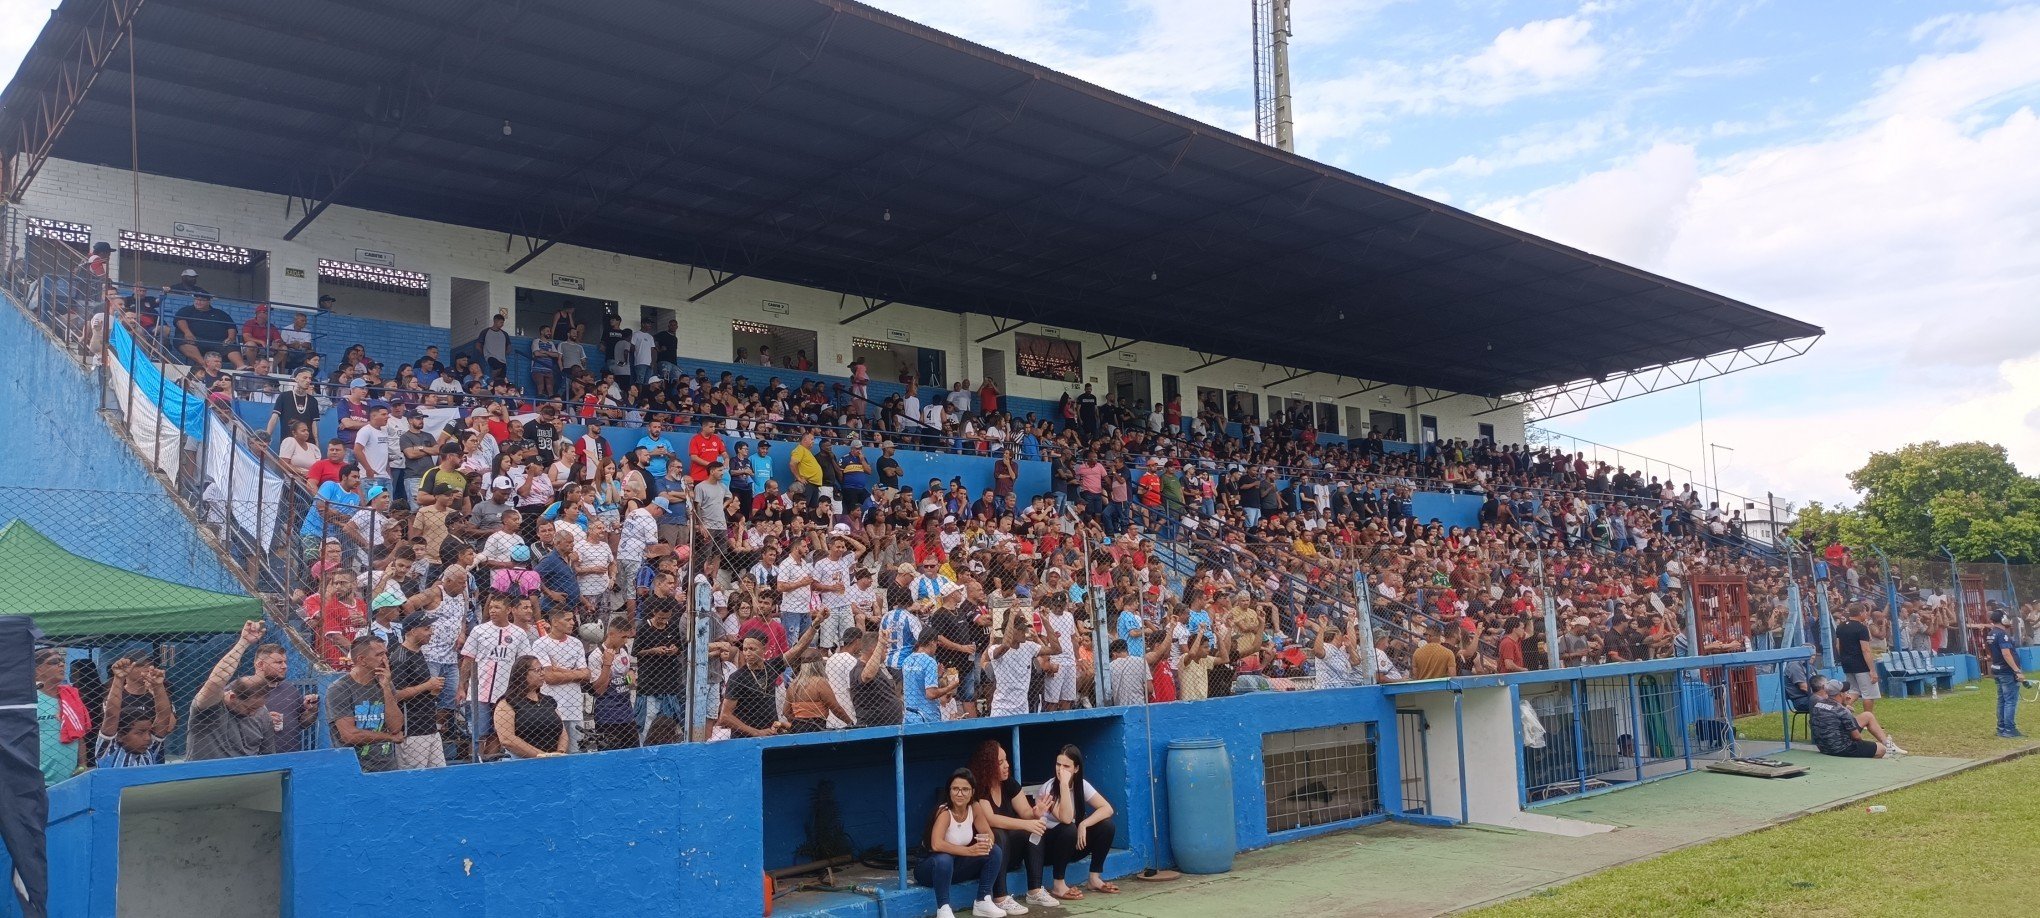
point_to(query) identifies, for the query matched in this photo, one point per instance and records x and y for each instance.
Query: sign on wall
(898, 336)
(778, 308)
(373, 257)
(198, 231)
(569, 282)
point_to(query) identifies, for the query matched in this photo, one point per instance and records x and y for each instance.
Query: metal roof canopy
(825, 143)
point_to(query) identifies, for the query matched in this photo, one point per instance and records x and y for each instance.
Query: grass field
(1961, 723)
(1963, 845)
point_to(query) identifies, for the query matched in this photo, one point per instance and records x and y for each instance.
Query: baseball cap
(190, 272)
(1581, 621)
(372, 494)
(358, 384)
(385, 599)
(415, 620)
(502, 483)
(520, 552)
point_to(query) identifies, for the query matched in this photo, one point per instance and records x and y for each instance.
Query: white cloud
(1540, 145)
(20, 22)
(1522, 61)
(1907, 232)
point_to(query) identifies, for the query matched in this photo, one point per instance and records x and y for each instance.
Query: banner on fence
(236, 479)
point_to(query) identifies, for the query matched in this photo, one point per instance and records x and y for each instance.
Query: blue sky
(1866, 166)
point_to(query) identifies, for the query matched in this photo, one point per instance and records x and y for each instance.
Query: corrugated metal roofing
(770, 137)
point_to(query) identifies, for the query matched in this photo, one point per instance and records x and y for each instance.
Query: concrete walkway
(1396, 870)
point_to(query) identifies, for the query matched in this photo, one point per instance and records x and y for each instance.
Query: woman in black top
(301, 403)
(1016, 827)
(528, 722)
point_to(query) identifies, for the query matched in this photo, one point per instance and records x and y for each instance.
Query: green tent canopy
(69, 596)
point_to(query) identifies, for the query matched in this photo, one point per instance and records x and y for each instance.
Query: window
(374, 277)
(186, 249)
(1321, 776)
(1327, 418)
(1042, 357)
(1487, 432)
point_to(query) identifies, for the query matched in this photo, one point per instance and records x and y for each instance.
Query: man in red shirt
(1509, 658)
(259, 338)
(988, 398)
(704, 450)
(328, 469)
(337, 613)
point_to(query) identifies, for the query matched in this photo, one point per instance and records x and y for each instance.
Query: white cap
(840, 528)
(503, 483)
(949, 520)
(190, 272)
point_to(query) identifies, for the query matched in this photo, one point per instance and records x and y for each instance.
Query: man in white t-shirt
(1012, 662)
(1059, 688)
(372, 447)
(832, 584)
(563, 669)
(485, 661)
(841, 667)
(449, 628)
(796, 580)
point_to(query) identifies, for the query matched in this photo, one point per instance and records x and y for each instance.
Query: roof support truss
(1365, 389)
(1210, 360)
(42, 124)
(1113, 344)
(717, 281)
(1000, 327)
(1295, 375)
(871, 305)
(1573, 397)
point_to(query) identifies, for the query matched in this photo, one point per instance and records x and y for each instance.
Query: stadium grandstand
(755, 411)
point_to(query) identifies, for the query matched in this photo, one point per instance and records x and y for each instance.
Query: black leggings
(1014, 842)
(1060, 847)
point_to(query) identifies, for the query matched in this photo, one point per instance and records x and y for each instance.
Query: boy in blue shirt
(922, 682)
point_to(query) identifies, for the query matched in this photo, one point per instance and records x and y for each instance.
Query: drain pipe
(1459, 724)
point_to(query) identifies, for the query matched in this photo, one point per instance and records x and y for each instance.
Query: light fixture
(1154, 275)
(888, 215)
(506, 127)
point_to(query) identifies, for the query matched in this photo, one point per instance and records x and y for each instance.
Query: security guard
(2004, 663)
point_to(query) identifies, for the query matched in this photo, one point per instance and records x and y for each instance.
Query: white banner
(234, 478)
(155, 441)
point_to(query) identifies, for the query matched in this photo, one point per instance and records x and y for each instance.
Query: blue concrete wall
(1451, 509)
(695, 823)
(71, 477)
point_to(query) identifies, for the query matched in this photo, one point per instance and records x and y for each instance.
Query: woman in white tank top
(961, 848)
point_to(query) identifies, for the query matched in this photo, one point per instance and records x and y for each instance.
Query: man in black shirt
(1087, 412)
(201, 328)
(544, 432)
(666, 347)
(1852, 651)
(417, 694)
(888, 467)
(659, 645)
(613, 334)
(959, 639)
(749, 708)
(874, 694)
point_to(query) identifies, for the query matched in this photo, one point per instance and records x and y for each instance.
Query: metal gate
(1413, 737)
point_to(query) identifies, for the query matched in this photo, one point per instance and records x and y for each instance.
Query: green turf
(1963, 845)
(1949, 847)
(1960, 723)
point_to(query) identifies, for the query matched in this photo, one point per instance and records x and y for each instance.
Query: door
(992, 363)
(933, 368)
(1128, 387)
(1428, 425)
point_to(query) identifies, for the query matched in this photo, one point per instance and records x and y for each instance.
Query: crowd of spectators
(489, 582)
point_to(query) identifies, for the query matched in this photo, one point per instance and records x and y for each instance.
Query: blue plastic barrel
(1201, 806)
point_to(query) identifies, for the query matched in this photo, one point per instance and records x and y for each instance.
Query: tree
(1965, 496)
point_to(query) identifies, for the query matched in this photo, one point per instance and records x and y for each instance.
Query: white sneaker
(1892, 749)
(1042, 898)
(986, 908)
(944, 912)
(1012, 906)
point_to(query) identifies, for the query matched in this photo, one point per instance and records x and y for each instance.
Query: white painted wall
(100, 197)
(1489, 732)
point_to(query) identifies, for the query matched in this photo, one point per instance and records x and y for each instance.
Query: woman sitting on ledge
(961, 848)
(1079, 824)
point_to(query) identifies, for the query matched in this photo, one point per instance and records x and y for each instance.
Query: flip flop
(1073, 894)
(1108, 888)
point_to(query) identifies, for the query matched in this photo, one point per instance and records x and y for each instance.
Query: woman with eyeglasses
(962, 847)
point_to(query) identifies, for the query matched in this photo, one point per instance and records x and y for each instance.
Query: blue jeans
(1253, 516)
(795, 623)
(640, 373)
(938, 871)
(2008, 704)
(449, 690)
